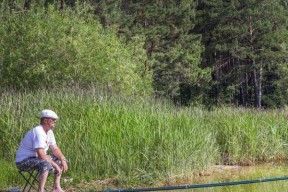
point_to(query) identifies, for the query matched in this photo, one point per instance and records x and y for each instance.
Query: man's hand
(42, 155)
(64, 165)
(58, 169)
(58, 153)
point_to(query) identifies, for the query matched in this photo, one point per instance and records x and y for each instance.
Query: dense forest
(201, 52)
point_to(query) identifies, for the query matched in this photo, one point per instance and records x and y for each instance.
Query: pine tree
(174, 51)
(245, 40)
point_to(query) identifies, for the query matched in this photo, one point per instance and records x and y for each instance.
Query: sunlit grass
(139, 141)
(228, 174)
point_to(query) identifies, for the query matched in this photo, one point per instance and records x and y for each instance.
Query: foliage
(42, 46)
(246, 46)
(195, 52)
(174, 54)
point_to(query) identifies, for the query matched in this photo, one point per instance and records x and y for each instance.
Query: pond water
(237, 173)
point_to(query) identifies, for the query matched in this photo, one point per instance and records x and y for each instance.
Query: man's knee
(44, 166)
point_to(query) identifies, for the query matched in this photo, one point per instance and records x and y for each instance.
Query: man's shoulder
(38, 130)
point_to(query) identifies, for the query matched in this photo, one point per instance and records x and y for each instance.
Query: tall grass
(246, 136)
(132, 140)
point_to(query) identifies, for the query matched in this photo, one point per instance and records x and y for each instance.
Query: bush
(43, 46)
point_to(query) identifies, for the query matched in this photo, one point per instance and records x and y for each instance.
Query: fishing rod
(199, 185)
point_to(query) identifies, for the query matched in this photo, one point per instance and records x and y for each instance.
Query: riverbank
(216, 174)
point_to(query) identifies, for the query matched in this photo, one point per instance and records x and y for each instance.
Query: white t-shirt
(35, 138)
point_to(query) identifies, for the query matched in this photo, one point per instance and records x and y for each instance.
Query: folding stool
(31, 178)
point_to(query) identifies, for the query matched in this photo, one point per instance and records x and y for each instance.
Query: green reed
(246, 136)
(135, 140)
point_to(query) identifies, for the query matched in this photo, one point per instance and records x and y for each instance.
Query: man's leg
(57, 184)
(42, 180)
(40, 165)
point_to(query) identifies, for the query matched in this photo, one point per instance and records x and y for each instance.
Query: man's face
(51, 122)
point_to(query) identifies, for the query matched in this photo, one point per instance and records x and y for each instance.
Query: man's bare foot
(58, 190)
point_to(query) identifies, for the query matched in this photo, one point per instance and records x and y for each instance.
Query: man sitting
(32, 152)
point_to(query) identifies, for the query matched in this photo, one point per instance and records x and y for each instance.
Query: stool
(31, 178)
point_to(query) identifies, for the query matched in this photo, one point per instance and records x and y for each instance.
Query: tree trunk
(62, 5)
(243, 93)
(257, 84)
(260, 85)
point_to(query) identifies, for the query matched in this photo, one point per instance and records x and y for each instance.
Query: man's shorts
(34, 163)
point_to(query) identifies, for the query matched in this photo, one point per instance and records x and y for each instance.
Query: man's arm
(41, 155)
(58, 153)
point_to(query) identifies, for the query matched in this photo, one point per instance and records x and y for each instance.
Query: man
(32, 152)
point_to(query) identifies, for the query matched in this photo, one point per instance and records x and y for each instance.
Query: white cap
(47, 113)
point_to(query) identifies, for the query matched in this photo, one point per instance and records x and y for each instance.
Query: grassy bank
(133, 141)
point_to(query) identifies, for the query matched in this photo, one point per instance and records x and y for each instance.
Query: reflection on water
(236, 173)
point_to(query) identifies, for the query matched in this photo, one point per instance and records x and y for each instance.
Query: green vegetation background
(43, 47)
(103, 86)
(191, 52)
